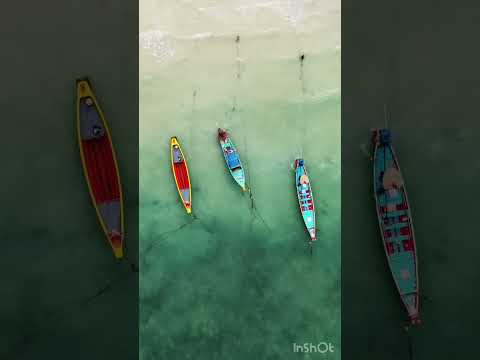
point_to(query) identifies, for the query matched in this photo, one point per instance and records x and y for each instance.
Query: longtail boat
(232, 158)
(395, 220)
(180, 174)
(305, 198)
(100, 166)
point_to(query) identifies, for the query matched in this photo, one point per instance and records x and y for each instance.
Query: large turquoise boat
(395, 220)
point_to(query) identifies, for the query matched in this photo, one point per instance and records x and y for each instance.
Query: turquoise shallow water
(237, 279)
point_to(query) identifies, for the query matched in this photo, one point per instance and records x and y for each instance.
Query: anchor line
(235, 110)
(385, 117)
(237, 41)
(230, 112)
(133, 265)
(33, 333)
(409, 343)
(410, 348)
(253, 207)
(164, 236)
(301, 59)
(242, 120)
(194, 96)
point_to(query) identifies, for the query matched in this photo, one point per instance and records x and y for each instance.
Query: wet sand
(63, 294)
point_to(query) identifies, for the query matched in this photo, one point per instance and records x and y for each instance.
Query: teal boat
(232, 158)
(395, 220)
(305, 198)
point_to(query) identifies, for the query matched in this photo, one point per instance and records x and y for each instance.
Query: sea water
(236, 280)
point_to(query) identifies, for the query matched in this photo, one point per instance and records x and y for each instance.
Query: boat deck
(396, 227)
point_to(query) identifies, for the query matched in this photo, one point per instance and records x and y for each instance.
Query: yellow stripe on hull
(84, 90)
(173, 142)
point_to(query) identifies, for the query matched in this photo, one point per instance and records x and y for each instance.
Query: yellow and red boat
(100, 166)
(180, 174)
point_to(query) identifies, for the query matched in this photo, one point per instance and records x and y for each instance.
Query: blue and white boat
(305, 198)
(395, 220)
(232, 158)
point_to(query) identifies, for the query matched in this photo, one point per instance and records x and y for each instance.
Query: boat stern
(116, 241)
(411, 303)
(313, 234)
(118, 252)
(415, 320)
(239, 177)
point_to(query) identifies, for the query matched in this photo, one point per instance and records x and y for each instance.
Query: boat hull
(100, 166)
(232, 158)
(395, 221)
(305, 198)
(180, 174)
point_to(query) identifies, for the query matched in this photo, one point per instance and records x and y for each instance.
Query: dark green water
(430, 86)
(55, 258)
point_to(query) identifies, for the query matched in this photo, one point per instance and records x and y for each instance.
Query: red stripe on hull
(101, 170)
(181, 175)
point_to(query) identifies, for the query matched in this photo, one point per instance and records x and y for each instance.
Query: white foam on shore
(207, 18)
(172, 20)
(158, 42)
